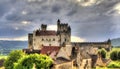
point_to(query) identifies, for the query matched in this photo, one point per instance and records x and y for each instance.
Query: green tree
(114, 55)
(13, 57)
(102, 52)
(118, 55)
(34, 60)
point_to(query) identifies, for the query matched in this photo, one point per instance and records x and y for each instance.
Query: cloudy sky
(90, 20)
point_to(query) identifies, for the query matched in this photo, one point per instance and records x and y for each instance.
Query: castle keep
(43, 37)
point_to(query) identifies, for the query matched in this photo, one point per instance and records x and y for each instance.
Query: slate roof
(107, 61)
(45, 33)
(85, 55)
(94, 58)
(50, 49)
(60, 60)
(65, 52)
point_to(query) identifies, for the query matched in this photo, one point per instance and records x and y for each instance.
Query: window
(54, 39)
(65, 39)
(42, 39)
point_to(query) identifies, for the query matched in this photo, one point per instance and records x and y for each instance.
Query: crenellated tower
(64, 33)
(44, 27)
(43, 37)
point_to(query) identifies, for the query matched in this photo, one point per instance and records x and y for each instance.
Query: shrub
(114, 55)
(18, 60)
(37, 61)
(12, 58)
(119, 55)
(103, 53)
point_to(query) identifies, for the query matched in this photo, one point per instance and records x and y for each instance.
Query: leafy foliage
(37, 61)
(119, 55)
(13, 57)
(102, 52)
(18, 60)
(115, 55)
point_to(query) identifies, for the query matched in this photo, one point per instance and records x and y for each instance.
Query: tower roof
(45, 33)
(58, 20)
(49, 49)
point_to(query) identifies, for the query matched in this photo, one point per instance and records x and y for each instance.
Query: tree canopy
(13, 57)
(37, 61)
(19, 60)
(102, 52)
(115, 55)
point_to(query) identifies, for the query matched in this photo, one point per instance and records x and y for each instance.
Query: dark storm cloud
(93, 22)
(13, 17)
(4, 7)
(56, 9)
(99, 30)
(11, 32)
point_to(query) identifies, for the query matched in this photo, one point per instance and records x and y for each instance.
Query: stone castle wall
(57, 38)
(39, 41)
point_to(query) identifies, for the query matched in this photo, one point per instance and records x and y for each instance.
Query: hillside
(115, 42)
(7, 46)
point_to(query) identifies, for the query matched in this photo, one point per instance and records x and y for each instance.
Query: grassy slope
(3, 57)
(113, 49)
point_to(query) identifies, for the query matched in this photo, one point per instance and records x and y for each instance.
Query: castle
(58, 45)
(43, 37)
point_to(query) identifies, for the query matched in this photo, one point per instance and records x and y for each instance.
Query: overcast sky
(90, 20)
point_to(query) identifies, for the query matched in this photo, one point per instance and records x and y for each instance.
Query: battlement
(43, 27)
(63, 27)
